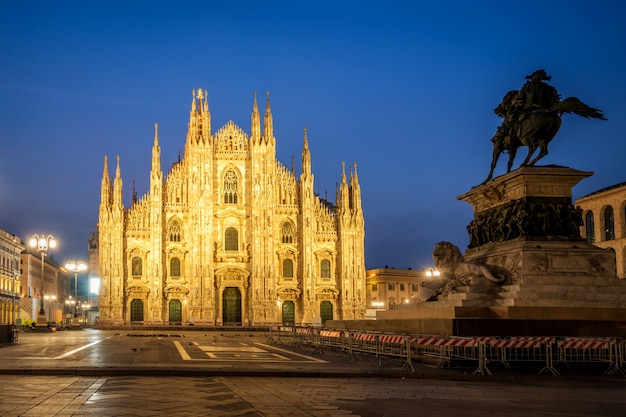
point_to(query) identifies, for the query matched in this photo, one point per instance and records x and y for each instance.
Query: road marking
(310, 358)
(181, 350)
(71, 352)
(236, 352)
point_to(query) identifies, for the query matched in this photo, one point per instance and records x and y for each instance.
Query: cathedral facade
(230, 236)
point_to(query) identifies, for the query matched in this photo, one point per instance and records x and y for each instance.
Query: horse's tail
(573, 105)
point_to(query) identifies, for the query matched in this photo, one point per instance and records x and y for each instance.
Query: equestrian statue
(532, 118)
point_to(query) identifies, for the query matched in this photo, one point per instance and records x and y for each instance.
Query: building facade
(51, 293)
(11, 247)
(604, 222)
(230, 235)
(392, 289)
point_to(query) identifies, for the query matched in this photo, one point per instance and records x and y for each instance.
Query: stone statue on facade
(532, 118)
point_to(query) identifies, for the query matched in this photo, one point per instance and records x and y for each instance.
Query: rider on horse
(535, 95)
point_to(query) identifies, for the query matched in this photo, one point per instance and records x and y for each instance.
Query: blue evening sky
(406, 89)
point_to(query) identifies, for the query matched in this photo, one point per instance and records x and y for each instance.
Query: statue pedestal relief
(525, 233)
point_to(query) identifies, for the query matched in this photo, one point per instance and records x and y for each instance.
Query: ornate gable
(231, 138)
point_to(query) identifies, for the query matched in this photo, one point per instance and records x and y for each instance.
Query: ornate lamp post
(42, 243)
(86, 308)
(50, 299)
(71, 303)
(76, 267)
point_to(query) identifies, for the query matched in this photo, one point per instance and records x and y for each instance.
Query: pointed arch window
(287, 232)
(325, 268)
(231, 239)
(175, 267)
(173, 233)
(231, 189)
(287, 268)
(609, 224)
(590, 232)
(136, 266)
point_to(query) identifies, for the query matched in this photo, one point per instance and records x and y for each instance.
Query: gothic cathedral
(230, 236)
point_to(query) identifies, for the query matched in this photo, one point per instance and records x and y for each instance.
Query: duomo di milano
(230, 235)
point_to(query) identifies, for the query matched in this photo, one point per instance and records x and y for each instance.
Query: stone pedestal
(525, 224)
(526, 229)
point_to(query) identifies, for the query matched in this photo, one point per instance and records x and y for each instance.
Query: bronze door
(289, 313)
(231, 306)
(326, 311)
(136, 310)
(176, 311)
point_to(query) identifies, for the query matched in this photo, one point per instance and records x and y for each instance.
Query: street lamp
(42, 243)
(50, 299)
(430, 272)
(85, 307)
(76, 267)
(71, 303)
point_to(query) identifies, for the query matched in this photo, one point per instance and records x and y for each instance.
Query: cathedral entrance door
(326, 311)
(136, 310)
(231, 306)
(289, 313)
(176, 311)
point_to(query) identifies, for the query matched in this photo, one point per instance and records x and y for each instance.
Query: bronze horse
(534, 129)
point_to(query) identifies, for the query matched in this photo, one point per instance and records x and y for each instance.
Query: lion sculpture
(454, 271)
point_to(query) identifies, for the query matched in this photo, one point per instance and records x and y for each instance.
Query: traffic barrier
(543, 350)
(364, 343)
(394, 346)
(304, 336)
(448, 349)
(592, 350)
(536, 349)
(332, 339)
(281, 334)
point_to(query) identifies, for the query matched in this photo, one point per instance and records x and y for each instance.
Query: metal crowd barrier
(337, 339)
(525, 349)
(281, 334)
(593, 350)
(305, 336)
(447, 349)
(542, 350)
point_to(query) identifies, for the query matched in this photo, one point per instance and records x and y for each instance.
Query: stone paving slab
(143, 373)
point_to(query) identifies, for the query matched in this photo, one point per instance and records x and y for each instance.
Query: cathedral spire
(206, 119)
(156, 176)
(256, 121)
(306, 156)
(156, 149)
(344, 198)
(117, 187)
(355, 191)
(105, 188)
(268, 123)
(134, 196)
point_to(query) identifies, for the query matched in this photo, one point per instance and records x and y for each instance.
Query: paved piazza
(121, 373)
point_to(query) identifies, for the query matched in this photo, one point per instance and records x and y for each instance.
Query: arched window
(175, 267)
(173, 232)
(287, 233)
(287, 268)
(589, 227)
(325, 268)
(609, 228)
(231, 239)
(230, 187)
(136, 268)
